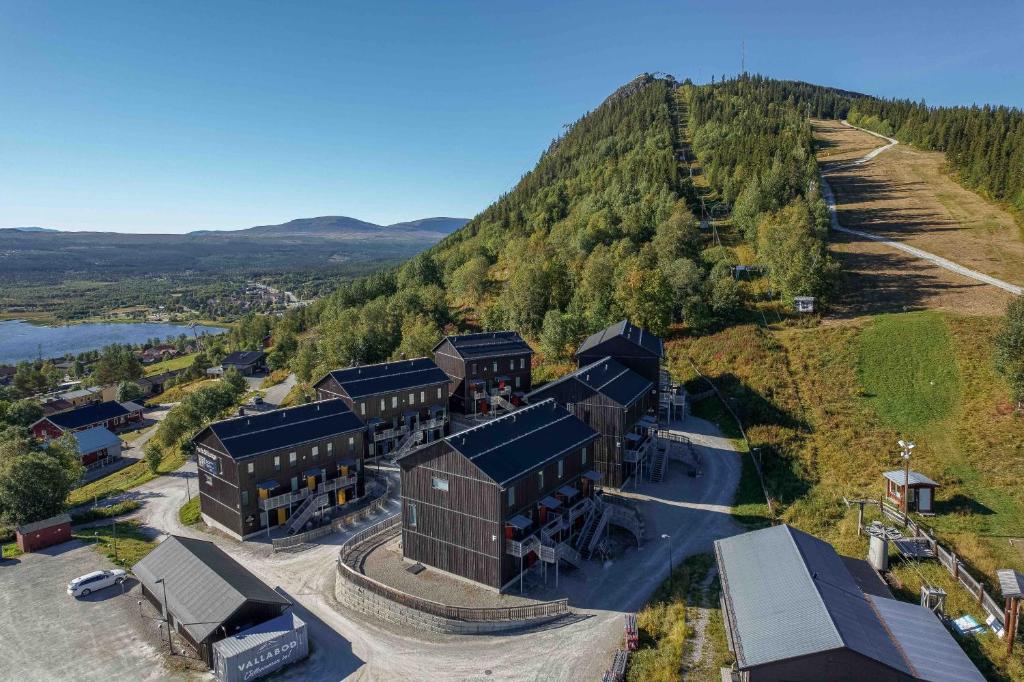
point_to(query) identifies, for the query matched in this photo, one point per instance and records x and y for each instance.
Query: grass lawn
(908, 369)
(131, 544)
(274, 378)
(131, 436)
(189, 512)
(11, 550)
(130, 477)
(176, 393)
(180, 362)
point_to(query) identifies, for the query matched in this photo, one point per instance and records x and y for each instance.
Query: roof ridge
(498, 419)
(520, 436)
(276, 409)
(892, 636)
(318, 417)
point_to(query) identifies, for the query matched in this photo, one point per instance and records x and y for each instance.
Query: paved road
(276, 394)
(693, 512)
(826, 191)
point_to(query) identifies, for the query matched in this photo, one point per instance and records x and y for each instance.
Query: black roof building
(465, 497)
(245, 361)
(87, 415)
(253, 434)
(488, 370)
(606, 376)
(209, 594)
(285, 467)
(387, 377)
(633, 346)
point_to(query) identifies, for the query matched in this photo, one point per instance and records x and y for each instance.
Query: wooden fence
(949, 561)
(348, 558)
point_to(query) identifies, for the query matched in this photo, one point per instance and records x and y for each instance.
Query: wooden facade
(231, 489)
(478, 369)
(632, 346)
(455, 515)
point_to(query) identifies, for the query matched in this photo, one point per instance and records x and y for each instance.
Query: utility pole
(907, 448)
(113, 525)
(167, 616)
(743, 57)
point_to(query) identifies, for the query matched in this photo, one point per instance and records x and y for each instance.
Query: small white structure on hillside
(803, 304)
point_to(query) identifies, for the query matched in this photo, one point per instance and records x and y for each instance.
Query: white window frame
(561, 468)
(437, 483)
(330, 447)
(277, 462)
(511, 496)
(293, 458)
(383, 405)
(394, 401)
(251, 467)
(362, 409)
(423, 397)
(540, 479)
(316, 451)
(412, 514)
(522, 363)
(412, 399)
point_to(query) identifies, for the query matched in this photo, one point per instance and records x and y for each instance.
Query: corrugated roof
(44, 523)
(606, 376)
(510, 446)
(204, 585)
(88, 414)
(243, 357)
(932, 652)
(638, 336)
(790, 595)
(915, 478)
(267, 631)
(253, 434)
(488, 344)
(95, 439)
(387, 377)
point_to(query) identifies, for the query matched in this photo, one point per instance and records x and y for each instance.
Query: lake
(20, 340)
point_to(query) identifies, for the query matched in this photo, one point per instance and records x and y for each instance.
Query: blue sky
(169, 117)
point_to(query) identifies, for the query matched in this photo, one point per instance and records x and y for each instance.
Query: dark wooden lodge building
(487, 502)
(619, 404)
(209, 595)
(632, 346)
(402, 403)
(281, 467)
(487, 371)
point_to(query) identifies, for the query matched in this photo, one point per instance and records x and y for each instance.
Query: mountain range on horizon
(320, 225)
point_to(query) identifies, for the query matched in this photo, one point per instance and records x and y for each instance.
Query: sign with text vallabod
(261, 650)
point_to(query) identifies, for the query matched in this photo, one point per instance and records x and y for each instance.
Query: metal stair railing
(602, 523)
(588, 525)
(566, 552)
(413, 439)
(305, 511)
(498, 401)
(658, 466)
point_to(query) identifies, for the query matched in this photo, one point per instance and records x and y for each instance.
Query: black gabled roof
(487, 344)
(607, 377)
(88, 414)
(254, 434)
(243, 357)
(204, 585)
(386, 377)
(638, 336)
(508, 447)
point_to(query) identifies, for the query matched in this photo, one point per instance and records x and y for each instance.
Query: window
(522, 363)
(251, 467)
(209, 480)
(583, 456)
(412, 398)
(412, 515)
(439, 393)
(494, 366)
(382, 404)
(295, 483)
(512, 363)
(518, 381)
(292, 458)
(561, 467)
(245, 498)
(277, 462)
(423, 396)
(511, 496)
(351, 443)
(439, 484)
(474, 368)
(330, 447)
(362, 409)
(394, 401)
(540, 479)
(316, 451)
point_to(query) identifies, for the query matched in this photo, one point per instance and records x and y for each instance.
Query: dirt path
(884, 232)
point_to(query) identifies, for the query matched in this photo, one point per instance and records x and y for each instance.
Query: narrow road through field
(944, 263)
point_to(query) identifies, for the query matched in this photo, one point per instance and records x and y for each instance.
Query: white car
(97, 580)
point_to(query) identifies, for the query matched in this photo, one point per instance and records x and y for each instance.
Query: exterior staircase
(406, 445)
(498, 401)
(305, 511)
(659, 463)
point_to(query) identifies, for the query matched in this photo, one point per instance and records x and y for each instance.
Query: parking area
(48, 635)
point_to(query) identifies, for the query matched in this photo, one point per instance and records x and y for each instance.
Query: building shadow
(330, 654)
(111, 592)
(62, 548)
(961, 504)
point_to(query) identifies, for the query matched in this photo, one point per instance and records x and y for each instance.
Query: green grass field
(130, 545)
(130, 477)
(180, 362)
(189, 513)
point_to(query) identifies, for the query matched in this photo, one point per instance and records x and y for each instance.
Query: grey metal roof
(44, 523)
(932, 652)
(915, 478)
(790, 595)
(95, 439)
(243, 357)
(638, 336)
(253, 434)
(204, 585)
(1011, 583)
(510, 446)
(387, 377)
(253, 637)
(488, 344)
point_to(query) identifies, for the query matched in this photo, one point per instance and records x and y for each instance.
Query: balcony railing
(390, 433)
(520, 548)
(302, 493)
